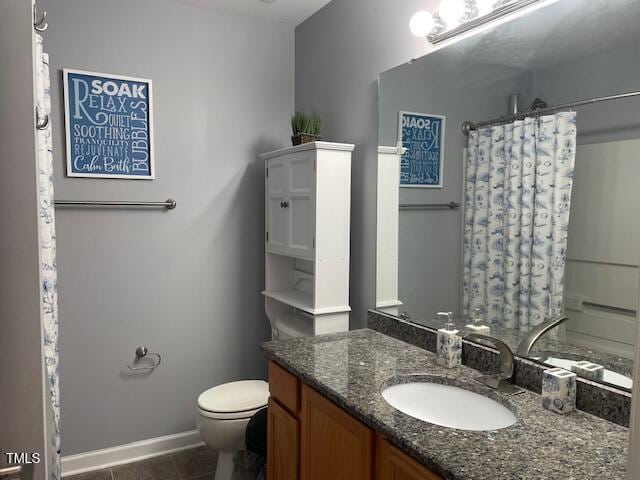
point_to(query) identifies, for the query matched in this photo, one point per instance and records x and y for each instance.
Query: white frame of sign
(69, 172)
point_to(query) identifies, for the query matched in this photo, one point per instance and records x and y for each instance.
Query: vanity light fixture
(421, 24)
(457, 17)
(453, 12)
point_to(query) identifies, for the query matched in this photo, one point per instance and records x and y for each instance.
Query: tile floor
(195, 464)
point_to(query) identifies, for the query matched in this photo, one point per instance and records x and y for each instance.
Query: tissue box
(559, 390)
(589, 370)
(449, 349)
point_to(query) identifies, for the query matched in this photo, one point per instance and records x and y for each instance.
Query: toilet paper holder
(143, 352)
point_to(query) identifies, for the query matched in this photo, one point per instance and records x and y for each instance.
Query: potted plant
(305, 128)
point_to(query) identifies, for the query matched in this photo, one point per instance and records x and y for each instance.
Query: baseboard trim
(131, 452)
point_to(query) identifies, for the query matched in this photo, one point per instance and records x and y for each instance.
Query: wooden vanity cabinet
(283, 432)
(393, 464)
(334, 445)
(283, 427)
(311, 438)
(284, 388)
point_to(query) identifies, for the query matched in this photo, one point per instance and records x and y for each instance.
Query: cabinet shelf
(303, 301)
(300, 300)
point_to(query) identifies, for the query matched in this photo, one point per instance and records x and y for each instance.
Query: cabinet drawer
(393, 464)
(284, 387)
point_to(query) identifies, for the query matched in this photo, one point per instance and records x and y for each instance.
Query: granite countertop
(351, 368)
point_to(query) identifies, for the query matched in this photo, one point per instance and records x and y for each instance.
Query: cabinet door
(301, 206)
(334, 445)
(277, 216)
(282, 444)
(393, 464)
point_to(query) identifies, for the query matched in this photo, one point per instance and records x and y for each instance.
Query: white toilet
(223, 414)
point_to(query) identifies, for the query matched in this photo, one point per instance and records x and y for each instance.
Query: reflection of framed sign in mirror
(422, 135)
(109, 129)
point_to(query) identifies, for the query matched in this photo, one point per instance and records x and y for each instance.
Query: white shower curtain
(48, 269)
(518, 193)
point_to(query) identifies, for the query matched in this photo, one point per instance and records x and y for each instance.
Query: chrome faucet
(530, 339)
(503, 380)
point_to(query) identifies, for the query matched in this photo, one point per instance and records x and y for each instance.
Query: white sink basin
(448, 406)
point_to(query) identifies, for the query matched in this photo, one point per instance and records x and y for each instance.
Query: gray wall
(22, 387)
(185, 283)
(430, 241)
(598, 75)
(339, 53)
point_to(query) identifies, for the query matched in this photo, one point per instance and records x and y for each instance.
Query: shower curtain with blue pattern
(48, 269)
(518, 195)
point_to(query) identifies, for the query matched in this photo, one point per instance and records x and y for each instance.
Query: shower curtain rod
(468, 126)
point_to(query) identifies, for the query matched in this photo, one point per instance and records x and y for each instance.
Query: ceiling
(286, 11)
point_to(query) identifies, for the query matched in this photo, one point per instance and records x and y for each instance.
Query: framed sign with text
(422, 135)
(109, 128)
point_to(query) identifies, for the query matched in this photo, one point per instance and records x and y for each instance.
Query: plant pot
(301, 138)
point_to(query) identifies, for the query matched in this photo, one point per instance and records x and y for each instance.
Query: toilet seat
(234, 400)
(244, 415)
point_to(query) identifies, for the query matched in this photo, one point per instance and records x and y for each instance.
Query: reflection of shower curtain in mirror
(518, 193)
(48, 269)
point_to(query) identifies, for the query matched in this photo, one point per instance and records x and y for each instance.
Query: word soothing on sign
(423, 137)
(108, 126)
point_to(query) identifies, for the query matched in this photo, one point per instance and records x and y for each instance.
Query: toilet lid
(235, 397)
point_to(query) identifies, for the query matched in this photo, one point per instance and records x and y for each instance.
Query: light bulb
(484, 6)
(452, 11)
(421, 23)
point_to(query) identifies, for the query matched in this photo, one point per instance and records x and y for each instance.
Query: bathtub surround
(600, 400)
(185, 283)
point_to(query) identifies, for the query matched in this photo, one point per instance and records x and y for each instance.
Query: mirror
(523, 218)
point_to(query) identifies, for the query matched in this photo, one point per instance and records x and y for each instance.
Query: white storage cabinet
(308, 207)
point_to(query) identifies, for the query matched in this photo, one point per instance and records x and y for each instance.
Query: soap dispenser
(477, 325)
(449, 343)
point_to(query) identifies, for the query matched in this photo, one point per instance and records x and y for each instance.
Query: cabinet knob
(284, 204)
